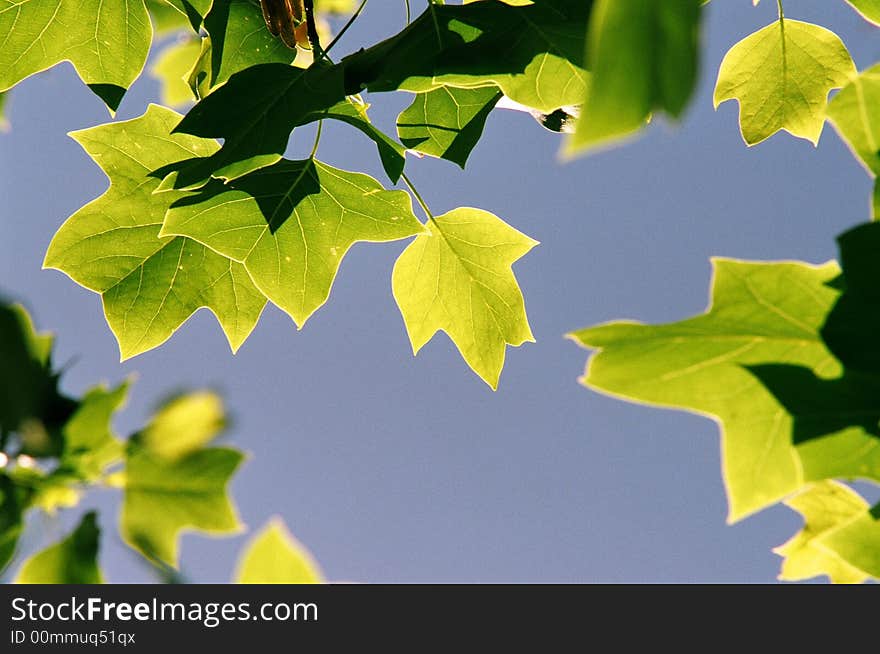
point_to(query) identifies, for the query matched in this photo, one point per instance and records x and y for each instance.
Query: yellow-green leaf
(457, 278)
(825, 506)
(781, 75)
(185, 424)
(273, 556)
(107, 42)
(855, 113)
(290, 225)
(149, 285)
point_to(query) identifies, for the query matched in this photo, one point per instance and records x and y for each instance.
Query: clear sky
(399, 469)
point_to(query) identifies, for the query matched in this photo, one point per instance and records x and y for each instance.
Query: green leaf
(760, 313)
(273, 556)
(149, 285)
(72, 561)
(172, 69)
(643, 58)
(869, 9)
(857, 542)
(13, 502)
(781, 75)
(855, 113)
(532, 53)
(167, 17)
(255, 112)
(107, 42)
(447, 122)
(90, 446)
(165, 496)
(30, 402)
(825, 506)
(185, 424)
(458, 278)
(238, 39)
(291, 224)
(4, 120)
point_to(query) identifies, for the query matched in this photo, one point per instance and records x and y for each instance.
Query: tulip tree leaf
(457, 278)
(781, 75)
(273, 556)
(291, 224)
(107, 42)
(855, 112)
(761, 313)
(72, 561)
(447, 122)
(825, 506)
(13, 503)
(642, 56)
(149, 285)
(869, 9)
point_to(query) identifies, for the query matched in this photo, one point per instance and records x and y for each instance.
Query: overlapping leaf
(447, 122)
(172, 482)
(172, 69)
(826, 507)
(149, 285)
(457, 278)
(72, 561)
(643, 57)
(291, 224)
(275, 557)
(534, 53)
(107, 42)
(781, 75)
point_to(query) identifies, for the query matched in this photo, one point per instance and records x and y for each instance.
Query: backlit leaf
(291, 224)
(457, 278)
(781, 75)
(855, 113)
(149, 285)
(107, 42)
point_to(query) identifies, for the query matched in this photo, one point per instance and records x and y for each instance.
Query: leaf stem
(317, 139)
(345, 27)
(312, 29)
(418, 196)
(781, 11)
(408, 12)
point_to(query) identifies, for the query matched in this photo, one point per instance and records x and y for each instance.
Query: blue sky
(392, 468)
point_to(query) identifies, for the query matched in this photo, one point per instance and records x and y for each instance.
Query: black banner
(156, 618)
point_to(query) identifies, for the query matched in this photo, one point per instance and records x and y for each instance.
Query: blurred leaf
(112, 245)
(291, 224)
(447, 122)
(107, 43)
(184, 425)
(273, 556)
(457, 278)
(643, 58)
(90, 446)
(781, 75)
(13, 501)
(72, 561)
(164, 497)
(172, 68)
